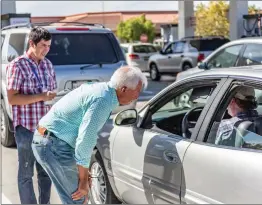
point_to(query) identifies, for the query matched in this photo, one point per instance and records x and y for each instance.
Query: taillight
(133, 56)
(200, 57)
(72, 29)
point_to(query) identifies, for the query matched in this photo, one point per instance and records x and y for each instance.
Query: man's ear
(123, 89)
(31, 43)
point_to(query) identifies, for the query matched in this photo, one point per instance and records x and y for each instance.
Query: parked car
(239, 53)
(182, 55)
(137, 54)
(166, 152)
(79, 52)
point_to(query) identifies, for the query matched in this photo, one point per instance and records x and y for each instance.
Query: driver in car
(241, 107)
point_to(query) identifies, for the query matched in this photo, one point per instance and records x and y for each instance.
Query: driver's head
(243, 101)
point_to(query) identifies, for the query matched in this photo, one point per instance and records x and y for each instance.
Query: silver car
(239, 53)
(182, 55)
(79, 52)
(137, 54)
(165, 153)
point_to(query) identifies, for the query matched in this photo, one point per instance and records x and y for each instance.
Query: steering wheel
(186, 125)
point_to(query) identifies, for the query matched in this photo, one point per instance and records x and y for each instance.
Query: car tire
(7, 137)
(96, 163)
(186, 66)
(154, 73)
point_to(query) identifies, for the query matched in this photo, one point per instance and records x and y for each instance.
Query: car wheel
(7, 137)
(186, 66)
(154, 73)
(101, 191)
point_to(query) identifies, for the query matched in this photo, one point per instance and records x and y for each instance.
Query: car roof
(245, 72)
(52, 27)
(245, 40)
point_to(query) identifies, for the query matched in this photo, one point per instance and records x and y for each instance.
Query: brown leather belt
(42, 130)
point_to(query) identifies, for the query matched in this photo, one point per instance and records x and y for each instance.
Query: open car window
(170, 115)
(242, 129)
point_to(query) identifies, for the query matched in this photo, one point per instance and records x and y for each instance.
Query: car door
(147, 157)
(175, 60)
(228, 174)
(164, 57)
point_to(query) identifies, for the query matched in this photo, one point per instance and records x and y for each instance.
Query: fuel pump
(252, 24)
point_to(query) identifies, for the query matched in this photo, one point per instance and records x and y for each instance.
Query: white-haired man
(66, 136)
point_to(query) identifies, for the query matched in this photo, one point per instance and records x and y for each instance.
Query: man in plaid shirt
(31, 81)
(242, 107)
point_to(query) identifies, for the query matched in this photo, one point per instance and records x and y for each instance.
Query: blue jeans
(27, 160)
(57, 158)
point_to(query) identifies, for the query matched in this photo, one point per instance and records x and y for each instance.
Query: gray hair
(128, 76)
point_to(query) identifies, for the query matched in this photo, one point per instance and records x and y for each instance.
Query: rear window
(144, 49)
(206, 44)
(87, 48)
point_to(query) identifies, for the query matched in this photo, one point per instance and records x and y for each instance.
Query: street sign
(143, 38)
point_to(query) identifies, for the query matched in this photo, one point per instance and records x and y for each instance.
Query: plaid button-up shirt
(21, 77)
(226, 127)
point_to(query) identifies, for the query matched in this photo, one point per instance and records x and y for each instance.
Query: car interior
(246, 133)
(180, 114)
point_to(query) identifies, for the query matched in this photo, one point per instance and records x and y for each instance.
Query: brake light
(200, 57)
(133, 56)
(72, 29)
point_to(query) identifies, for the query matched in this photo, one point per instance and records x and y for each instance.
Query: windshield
(81, 48)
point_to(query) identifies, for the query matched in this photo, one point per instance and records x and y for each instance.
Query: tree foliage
(213, 18)
(133, 28)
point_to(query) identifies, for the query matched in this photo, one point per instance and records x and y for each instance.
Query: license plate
(146, 58)
(76, 84)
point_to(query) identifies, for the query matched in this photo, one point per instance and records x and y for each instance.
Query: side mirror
(126, 117)
(202, 65)
(162, 52)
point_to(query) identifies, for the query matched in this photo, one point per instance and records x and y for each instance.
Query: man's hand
(82, 191)
(48, 96)
(84, 184)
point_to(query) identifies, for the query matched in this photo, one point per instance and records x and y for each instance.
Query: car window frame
(184, 47)
(3, 39)
(241, 60)
(170, 45)
(167, 94)
(212, 113)
(222, 50)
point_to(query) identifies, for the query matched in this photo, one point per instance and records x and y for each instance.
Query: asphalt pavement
(9, 162)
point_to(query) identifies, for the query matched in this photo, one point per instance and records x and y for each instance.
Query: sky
(63, 8)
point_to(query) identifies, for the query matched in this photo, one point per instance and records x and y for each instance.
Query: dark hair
(39, 33)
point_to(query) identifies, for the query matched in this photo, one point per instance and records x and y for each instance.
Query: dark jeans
(57, 158)
(27, 160)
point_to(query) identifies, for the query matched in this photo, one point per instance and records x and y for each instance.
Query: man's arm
(15, 98)
(93, 120)
(14, 82)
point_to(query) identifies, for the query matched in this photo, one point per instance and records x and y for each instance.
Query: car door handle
(171, 157)
(169, 56)
(182, 56)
